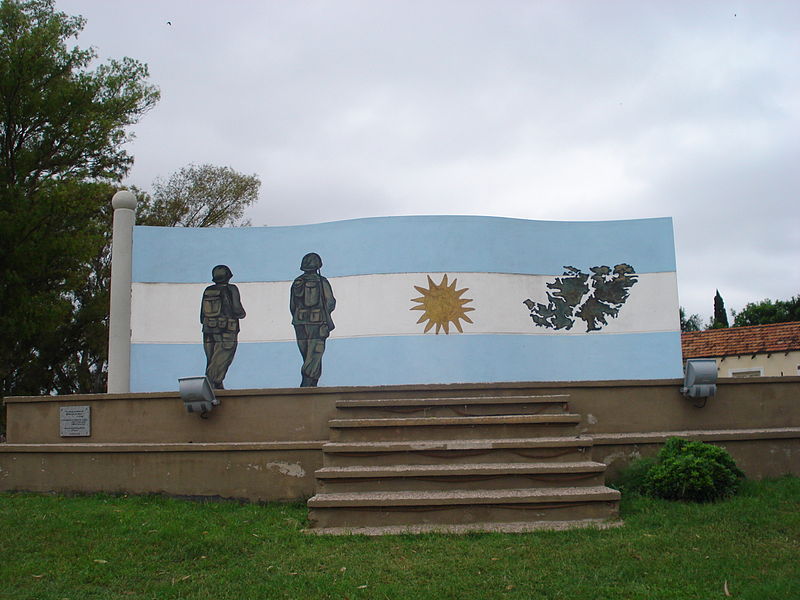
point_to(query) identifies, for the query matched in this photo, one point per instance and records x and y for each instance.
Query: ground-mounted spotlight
(700, 379)
(197, 395)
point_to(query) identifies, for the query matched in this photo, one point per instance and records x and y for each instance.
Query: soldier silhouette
(220, 312)
(311, 302)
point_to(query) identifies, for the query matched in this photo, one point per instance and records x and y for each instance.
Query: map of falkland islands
(592, 298)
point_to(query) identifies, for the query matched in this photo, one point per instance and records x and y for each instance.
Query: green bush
(632, 479)
(693, 471)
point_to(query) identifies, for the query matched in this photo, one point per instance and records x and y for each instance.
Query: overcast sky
(557, 110)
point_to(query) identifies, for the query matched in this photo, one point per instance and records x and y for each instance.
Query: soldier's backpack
(212, 303)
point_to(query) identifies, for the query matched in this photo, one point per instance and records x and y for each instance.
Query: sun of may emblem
(442, 304)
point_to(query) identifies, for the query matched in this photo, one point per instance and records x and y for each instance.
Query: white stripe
(380, 305)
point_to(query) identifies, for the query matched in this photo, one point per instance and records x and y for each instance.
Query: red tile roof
(778, 337)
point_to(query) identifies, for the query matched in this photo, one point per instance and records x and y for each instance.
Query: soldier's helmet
(311, 262)
(221, 274)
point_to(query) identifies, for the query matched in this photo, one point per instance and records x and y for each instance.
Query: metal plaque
(75, 421)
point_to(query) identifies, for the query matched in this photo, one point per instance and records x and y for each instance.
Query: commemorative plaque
(75, 421)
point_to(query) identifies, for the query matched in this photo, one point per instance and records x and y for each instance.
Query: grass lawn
(54, 547)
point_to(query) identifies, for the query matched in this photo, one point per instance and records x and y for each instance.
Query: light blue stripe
(402, 245)
(424, 359)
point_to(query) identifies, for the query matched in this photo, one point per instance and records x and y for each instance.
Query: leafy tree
(200, 196)
(720, 320)
(767, 311)
(61, 119)
(79, 364)
(690, 323)
(71, 357)
(62, 128)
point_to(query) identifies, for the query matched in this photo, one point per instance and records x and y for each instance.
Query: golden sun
(442, 304)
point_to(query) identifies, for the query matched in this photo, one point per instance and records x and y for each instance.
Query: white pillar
(119, 330)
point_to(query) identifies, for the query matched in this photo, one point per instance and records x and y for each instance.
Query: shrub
(693, 471)
(632, 479)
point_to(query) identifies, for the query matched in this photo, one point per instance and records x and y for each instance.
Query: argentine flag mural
(427, 299)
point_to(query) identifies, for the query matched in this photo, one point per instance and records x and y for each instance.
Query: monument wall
(266, 444)
(419, 300)
(425, 307)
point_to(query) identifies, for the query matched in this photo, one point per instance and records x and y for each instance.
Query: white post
(119, 334)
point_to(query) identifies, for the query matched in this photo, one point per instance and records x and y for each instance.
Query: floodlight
(197, 395)
(700, 378)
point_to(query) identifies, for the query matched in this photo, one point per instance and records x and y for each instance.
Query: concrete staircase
(475, 463)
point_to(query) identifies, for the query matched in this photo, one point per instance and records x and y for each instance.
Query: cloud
(543, 110)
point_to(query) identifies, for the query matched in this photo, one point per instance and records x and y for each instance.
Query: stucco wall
(242, 416)
(775, 364)
(266, 444)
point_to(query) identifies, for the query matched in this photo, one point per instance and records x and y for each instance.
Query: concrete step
(454, 406)
(465, 476)
(444, 400)
(462, 507)
(452, 451)
(423, 428)
(458, 463)
(512, 527)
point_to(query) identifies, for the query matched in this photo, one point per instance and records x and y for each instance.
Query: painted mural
(429, 299)
(442, 304)
(220, 311)
(592, 298)
(311, 303)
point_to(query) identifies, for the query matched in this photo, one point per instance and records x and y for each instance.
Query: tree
(71, 357)
(61, 119)
(720, 320)
(79, 363)
(62, 130)
(691, 323)
(767, 311)
(200, 196)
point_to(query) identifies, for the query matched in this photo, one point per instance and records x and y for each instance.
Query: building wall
(266, 444)
(777, 364)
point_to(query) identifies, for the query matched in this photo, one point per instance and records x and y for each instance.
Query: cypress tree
(720, 316)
